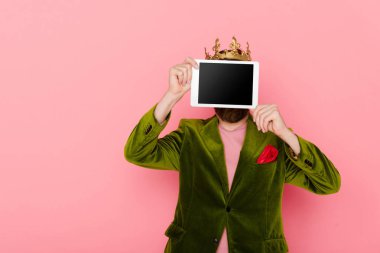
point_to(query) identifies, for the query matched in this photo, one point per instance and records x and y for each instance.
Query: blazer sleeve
(311, 169)
(145, 149)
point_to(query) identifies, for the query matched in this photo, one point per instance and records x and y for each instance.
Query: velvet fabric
(251, 210)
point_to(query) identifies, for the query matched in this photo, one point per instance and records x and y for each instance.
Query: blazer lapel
(252, 142)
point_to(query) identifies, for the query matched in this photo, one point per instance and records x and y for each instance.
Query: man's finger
(264, 112)
(191, 61)
(257, 109)
(266, 117)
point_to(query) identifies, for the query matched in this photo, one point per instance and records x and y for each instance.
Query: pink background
(76, 76)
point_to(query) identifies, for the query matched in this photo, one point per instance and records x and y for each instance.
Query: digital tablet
(225, 83)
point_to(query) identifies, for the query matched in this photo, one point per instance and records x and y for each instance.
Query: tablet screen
(225, 83)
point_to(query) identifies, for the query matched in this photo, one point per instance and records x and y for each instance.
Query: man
(249, 208)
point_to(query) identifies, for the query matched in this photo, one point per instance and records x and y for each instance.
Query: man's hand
(180, 77)
(179, 83)
(268, 118)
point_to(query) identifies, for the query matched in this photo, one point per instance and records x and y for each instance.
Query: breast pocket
(260, 175)
(263, 168)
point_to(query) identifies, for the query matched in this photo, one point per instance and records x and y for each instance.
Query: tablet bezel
(195, 84)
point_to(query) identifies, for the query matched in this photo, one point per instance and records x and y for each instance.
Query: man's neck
(232, 126)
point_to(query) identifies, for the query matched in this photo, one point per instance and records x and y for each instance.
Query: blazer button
(215, 240)
(228, 208)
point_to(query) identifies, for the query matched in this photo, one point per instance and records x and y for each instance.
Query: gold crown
(234, 53)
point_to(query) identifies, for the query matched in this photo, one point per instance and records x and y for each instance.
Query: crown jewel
(234, 53)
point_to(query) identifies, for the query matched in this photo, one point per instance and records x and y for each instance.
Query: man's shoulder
(194, 122)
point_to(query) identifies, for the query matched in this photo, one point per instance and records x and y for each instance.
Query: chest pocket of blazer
(174, 231)
(264, 166)
(262, 171)
(258, 177)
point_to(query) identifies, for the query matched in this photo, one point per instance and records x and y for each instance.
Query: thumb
(187, 86)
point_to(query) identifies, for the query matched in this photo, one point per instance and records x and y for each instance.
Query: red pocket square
(268, 155)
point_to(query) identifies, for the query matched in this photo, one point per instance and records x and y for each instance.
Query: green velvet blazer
(251, 210)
